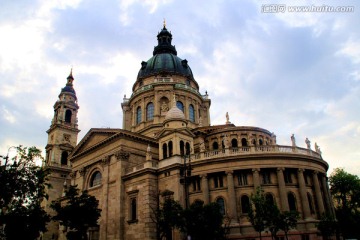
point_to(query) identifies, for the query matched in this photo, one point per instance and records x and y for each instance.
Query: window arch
(64, 158)
(243, 142)
(261, 142)
(133, 214)
(182, 148)
(291, 201)
(95, 179)
(187, 147)
(170, 149)
(138, 115)
(245, 204)
(164, 150)
(191, 113)
(150, 111)
(234, 143)
(215, 146)
(68, 115)
(180, 105)
(220, 201)
(269, 198)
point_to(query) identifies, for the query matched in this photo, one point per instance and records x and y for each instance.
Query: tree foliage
(265, 215)
(203, 221)
(22, 189)
(198, 221)
(327, 226)
(258, 211)
(77, 212)
(345, 189)
(167, 215)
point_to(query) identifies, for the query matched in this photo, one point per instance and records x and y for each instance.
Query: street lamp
(186, 176)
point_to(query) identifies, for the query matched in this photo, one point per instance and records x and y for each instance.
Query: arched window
(261, 142)
(138, 115)
(234, 143)
(133, 209)
(292, 202)
(311, 205)
(243, 142)
(245, 204)
(64, 158)
(269, 198)
(150, 112)
(95, 179)
(170, 149)
(187, 146)
(68, 114)
(182, 148)
(191, 113)
(164, 150)
(215, 146)
(180, 105)
(220, 201)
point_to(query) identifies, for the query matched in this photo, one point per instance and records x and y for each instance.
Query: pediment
(93, 137)
(166, 132)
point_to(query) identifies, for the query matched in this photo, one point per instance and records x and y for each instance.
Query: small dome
(174, 113)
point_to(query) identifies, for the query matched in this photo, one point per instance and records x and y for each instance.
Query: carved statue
(200, 121)
(307, 141)
(293, 142)
(227, 118)
(317, 148)
(202, 145)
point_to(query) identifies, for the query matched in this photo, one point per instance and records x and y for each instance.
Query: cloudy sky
(288, 72)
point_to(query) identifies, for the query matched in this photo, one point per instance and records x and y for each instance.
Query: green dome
(165, 59)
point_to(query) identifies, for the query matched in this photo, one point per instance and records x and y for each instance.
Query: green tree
(345, 189)
(287, 221)
(258, 212)
(22, 189)
(77, 212)
(327, 226)
(204, 221)
(167, 216)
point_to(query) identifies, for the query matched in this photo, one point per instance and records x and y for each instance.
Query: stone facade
(166, 121)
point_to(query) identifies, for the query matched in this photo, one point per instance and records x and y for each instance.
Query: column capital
(204, 175)
(230, 172)
(256, 170)
(280, 169)
(105, 160)
(316, 172)
(301, 170)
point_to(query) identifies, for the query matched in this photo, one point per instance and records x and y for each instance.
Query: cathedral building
(167, 131)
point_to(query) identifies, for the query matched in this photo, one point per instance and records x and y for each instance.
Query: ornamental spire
(164, 23)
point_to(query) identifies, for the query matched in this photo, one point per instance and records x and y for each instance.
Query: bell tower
(62, 139)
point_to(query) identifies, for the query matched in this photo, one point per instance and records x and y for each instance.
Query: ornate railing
(255, 150)
(240, 151)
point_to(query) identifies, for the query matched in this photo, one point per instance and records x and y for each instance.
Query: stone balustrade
(241, 151)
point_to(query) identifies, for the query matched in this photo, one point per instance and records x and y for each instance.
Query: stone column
(256, 178)
(328, 199)
(318, 195)
(205, 188)
(282, 190)
(231, 195)
(105, 192)
(303, 195)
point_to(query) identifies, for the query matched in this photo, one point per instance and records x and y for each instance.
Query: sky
(268, 65)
